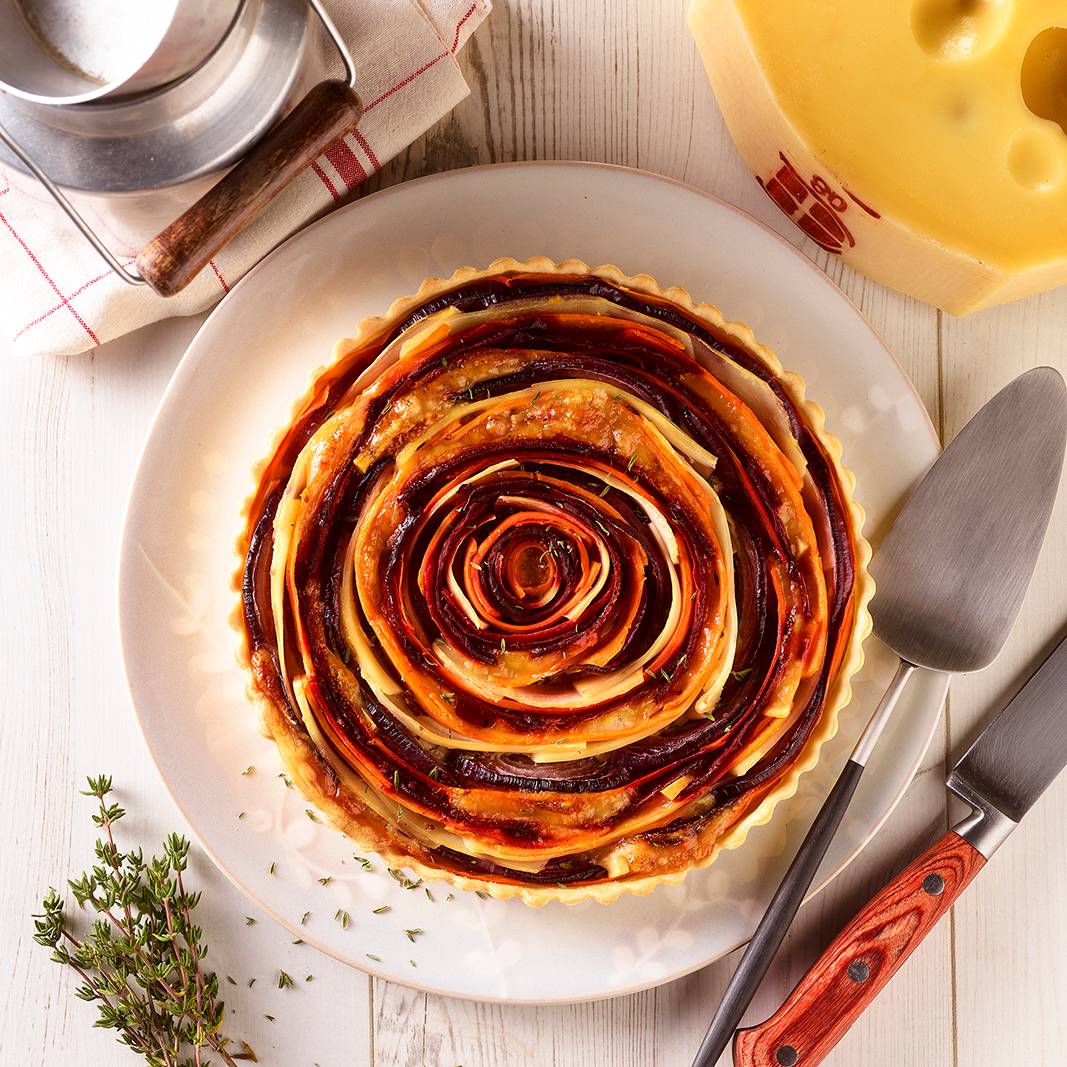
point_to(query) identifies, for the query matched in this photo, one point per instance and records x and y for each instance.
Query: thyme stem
(141, 961)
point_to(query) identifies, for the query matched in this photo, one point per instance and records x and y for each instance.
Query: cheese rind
(924, 143)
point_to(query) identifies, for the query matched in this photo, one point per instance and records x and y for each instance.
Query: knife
(1016, 757)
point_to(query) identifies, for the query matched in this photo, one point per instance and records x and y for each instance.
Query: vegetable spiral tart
(552, 585)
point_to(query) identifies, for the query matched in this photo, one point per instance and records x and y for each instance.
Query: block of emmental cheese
(922, 141)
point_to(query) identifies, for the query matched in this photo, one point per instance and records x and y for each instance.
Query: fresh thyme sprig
(143, 957)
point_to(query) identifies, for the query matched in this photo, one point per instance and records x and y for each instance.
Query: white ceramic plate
(235, 385)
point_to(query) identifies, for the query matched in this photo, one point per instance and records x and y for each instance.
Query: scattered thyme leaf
(402, 880)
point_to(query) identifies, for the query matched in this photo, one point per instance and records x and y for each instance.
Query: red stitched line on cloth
(348, 167)
(347, 164)
(325, 178)
(367, 148)
(407, 81)
(470, 11)
(218, 274)
(64, 300)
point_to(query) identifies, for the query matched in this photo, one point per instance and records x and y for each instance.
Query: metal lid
(191, 129)
(72, 51)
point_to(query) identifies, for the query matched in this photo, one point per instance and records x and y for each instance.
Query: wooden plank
(1010, 930)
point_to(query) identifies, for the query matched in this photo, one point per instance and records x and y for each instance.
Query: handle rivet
(934, 884)
(787, 1056)
(858, 971)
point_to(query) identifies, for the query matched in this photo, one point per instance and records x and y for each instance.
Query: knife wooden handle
(170, 261)
(860, 960)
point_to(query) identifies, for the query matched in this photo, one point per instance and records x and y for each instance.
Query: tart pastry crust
(552, 584)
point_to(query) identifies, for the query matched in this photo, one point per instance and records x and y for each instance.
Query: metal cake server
(950, 577)
(1016, 758)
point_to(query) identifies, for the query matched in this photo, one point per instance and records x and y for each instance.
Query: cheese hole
(1044, 76)
(957, 29)
(1037, 161)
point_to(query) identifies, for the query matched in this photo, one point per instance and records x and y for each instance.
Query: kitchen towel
(57, 296)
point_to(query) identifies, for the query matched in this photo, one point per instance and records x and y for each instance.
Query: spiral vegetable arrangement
(552, 585)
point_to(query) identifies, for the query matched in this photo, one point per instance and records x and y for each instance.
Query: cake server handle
(790, 893)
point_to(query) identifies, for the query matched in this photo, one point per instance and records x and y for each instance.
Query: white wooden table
(616, 82)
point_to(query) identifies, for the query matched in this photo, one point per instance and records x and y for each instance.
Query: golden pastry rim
(301, 761)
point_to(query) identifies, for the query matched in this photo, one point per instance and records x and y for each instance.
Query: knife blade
(1014, 760)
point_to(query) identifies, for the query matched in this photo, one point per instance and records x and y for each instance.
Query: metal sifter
(145, 104)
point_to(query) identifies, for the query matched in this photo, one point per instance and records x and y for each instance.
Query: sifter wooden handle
(860, 960)
(170, 261)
